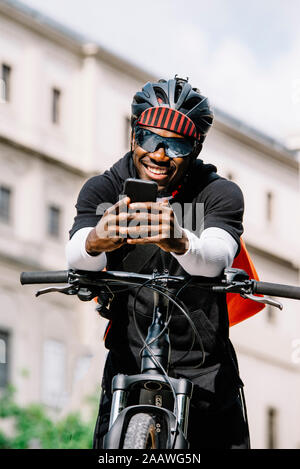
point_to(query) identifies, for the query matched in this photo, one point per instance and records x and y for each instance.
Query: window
(5, 83)
(5, 203)
(54, 216)
(271, 428)
(4, 358)
(269, 206)
(54, 372)
(127, 131)
(56, 105)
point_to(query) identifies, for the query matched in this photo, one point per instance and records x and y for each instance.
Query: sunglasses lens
(179, 147)
(174, 147)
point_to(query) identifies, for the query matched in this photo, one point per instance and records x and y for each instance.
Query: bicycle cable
(182, 309)
(166, 325)
(146, 346)
(169, 318)
(162, 291)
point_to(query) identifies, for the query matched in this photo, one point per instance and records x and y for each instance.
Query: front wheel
(143, 432)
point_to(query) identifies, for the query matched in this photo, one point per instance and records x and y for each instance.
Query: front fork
(183, 391)
(183, 408)
(119, 402)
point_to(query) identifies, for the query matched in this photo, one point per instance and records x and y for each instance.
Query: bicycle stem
(160, 347)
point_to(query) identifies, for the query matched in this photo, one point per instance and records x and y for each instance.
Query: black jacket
(216, 381)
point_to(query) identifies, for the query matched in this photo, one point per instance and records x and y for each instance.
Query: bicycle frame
(153, 387)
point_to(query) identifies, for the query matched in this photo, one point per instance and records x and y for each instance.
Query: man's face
(157, 166)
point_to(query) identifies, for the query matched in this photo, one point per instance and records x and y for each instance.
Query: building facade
(64, 116)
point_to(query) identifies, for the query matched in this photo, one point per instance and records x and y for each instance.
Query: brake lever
(66, 289)
(268, 301)
(244, 293)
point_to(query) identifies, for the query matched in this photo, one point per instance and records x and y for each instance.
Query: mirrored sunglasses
(174, 147)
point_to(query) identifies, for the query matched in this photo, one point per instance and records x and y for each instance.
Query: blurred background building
(64, 116)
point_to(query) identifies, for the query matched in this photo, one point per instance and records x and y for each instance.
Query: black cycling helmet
(176, 94)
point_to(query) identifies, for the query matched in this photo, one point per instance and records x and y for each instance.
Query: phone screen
(139, 190)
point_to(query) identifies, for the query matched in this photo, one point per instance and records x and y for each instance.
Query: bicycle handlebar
(86, 278)
(276, 289)
(58, 276)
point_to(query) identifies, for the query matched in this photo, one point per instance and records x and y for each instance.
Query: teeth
(156, 171)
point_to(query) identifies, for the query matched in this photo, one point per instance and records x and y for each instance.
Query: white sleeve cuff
(208, 255)
(78, 258)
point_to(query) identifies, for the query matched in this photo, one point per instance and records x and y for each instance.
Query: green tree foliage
(32, 426)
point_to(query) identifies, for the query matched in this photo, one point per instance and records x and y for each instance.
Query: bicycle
(150, 410)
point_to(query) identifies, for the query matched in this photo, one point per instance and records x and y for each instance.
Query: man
(170, 120)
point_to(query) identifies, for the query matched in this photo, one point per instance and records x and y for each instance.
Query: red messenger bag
(240, 308)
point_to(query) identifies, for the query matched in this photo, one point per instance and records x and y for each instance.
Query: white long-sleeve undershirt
(207, 255)
(78, 258)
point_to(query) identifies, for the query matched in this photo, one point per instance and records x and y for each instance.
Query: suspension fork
(183, 397)
(122, 385)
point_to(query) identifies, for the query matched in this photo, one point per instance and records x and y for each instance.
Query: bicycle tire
(142, 433)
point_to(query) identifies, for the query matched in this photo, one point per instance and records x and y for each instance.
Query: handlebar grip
(276, 289)
(59, 276)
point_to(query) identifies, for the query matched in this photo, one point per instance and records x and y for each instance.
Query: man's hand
(155, 223)
(137, 223)
(105, 237)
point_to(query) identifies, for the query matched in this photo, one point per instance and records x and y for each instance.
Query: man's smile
(157, 172)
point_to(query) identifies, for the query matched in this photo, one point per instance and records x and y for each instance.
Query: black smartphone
(140, 190)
